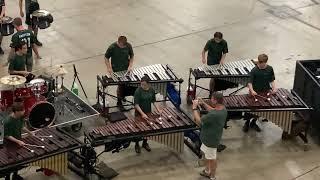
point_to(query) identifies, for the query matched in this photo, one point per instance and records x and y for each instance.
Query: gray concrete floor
(174, 32)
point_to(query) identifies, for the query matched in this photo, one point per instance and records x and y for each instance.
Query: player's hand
(200, 100)
(195, 104)
(129, 70)
(21, 14)
(221, 62)
(253, 93)
(204, 61)
(160, 110)
(144, 116)
(38, 57)
(273, 91)
(21, 143)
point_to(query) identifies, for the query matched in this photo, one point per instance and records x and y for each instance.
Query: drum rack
(102, 87)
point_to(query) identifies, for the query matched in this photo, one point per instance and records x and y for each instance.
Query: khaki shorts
(209, 153)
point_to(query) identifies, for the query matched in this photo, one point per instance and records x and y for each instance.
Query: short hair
(145, 78)
(218, 97)
(122, 39)
(17, 106)
(17, 21)
(218, 35)
(19, 45)
(263, 58)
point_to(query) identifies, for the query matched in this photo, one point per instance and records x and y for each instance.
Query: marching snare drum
(40, 113)
(6, 26)
(42, 18)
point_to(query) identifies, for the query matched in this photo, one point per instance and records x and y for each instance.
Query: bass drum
(39, 112)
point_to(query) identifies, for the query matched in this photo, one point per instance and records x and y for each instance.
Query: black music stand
(75, 75)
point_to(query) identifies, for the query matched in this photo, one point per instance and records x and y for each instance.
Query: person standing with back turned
(211, 125)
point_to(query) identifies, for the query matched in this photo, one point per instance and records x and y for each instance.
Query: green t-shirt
(17, 63)
(25, 35)
(144, 98)
(119, 56)
(261, 78)
(212, 125)
(13, 127)
(215, 51)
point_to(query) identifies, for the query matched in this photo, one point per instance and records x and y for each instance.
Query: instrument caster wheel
(76, 127)
(189, 100)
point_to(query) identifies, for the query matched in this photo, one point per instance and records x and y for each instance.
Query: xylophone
(166, 128)
(48, 149)
(228, 75)
(279, 108)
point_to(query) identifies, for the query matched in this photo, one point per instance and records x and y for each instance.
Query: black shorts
(32, 7)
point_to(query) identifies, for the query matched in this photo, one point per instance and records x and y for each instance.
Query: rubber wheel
(76, 127)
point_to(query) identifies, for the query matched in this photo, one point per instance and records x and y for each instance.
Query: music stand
(75, 76)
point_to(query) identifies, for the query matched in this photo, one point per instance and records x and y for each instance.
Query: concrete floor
(174, 32)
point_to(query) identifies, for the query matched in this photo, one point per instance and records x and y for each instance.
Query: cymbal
(13, 80)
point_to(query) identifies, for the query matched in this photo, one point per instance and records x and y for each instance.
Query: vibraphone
(47, 150)
(167, 128)
(236, 72)
(161, 78)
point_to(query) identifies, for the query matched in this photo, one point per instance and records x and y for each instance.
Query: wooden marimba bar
(166, 128)
(48, 149)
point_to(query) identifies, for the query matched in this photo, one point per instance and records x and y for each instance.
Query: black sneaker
(146, 147)
(38, 43)
(221, 147)
(1, 50)
(16, 177)
(254, 126)
(137, 148)
(246, 126)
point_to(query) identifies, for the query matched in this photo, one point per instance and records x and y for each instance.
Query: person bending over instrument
(262, 79)
(119, 57)
(30, 7)
(143, 98)
(13, 126)
(211, 125)
(217, 49)
(26, 36)
(2, 14)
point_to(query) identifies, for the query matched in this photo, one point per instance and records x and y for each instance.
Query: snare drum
(42, 18)
(38, 86)
(39, 112)
(6, 26)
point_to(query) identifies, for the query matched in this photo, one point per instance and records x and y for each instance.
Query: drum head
(42, 115)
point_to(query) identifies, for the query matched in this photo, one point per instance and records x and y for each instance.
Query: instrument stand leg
(75, 76)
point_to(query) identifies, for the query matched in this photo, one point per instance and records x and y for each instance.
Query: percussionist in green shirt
(13, 126)
(18, 64)
(143, 98)
(119, 57)
(262, 79)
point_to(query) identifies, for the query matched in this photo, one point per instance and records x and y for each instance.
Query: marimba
(166, 128)
(228, 75)
(278, 108)
(48, 149)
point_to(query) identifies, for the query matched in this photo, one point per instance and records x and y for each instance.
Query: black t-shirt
(215, 51)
